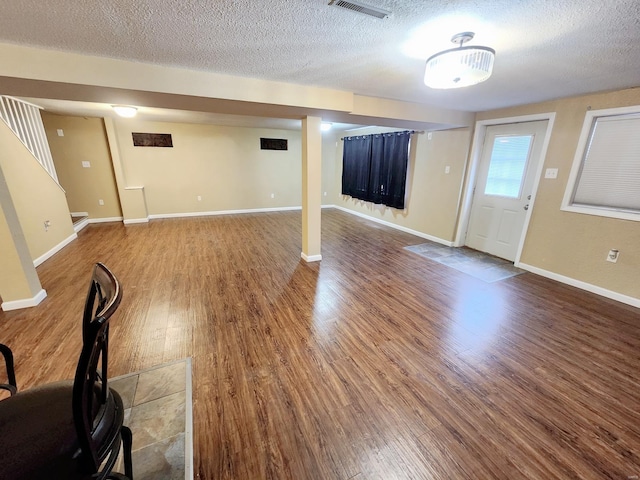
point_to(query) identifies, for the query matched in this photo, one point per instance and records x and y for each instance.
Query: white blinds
(507, 165)
(610, 173)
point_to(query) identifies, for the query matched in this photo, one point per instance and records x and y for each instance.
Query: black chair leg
(114, 476)
(127, 442)
(12, 387)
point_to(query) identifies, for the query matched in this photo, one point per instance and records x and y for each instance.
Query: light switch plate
(60, 132)
(86, 164)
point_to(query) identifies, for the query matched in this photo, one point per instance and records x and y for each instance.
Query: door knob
(526, 207)
(528, 197)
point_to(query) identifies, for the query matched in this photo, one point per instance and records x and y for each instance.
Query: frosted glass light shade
(125, 111)
(459, 67)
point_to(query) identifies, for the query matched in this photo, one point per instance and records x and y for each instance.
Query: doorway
(508, 167)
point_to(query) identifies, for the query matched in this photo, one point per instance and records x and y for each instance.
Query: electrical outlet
(447, 169)
(60, 132)
(101, 202)
(551, 173)
(429, 135)
(199, 198)
(273, 195)
(325, 194)
(613, 255)
(86, 164)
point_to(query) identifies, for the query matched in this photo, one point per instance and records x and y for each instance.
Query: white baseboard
(131, 221)
(79, 214)
(42, 258)
(24, 303)
(157, 216)
(221, 212)
(634, 302)
(448, 243)
(105, 220)
(311, 258)
(80, 225)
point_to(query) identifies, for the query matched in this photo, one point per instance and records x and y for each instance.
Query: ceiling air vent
(360, 8)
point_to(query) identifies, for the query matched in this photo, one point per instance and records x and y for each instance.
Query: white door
(504, 185)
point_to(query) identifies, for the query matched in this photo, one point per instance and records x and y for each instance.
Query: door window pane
(507, 166)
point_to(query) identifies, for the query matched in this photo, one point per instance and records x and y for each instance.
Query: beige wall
(84, 140)
(330, 189)
(36, 196)
(432, 197)
(222, 165)
(571, 244)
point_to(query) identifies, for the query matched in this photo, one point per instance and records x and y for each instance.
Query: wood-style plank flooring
(374, 364)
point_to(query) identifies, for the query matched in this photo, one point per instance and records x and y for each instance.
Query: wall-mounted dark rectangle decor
(152, 140)
(273, 144)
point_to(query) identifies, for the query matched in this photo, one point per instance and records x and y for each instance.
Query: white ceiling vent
(361, 8)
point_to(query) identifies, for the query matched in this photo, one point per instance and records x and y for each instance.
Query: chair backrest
(90, 386)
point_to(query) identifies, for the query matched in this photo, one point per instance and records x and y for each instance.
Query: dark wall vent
(152, 140)
(274, 144)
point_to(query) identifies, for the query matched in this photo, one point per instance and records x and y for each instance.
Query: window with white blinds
(605, 178)
(507, 165)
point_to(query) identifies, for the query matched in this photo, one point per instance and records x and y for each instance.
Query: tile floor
(477, 264)
(156, 409)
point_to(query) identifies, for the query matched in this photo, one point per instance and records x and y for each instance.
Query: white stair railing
(24, 119)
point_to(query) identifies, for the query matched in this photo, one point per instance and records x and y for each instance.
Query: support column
(132, 198)
(311, 188)
(19, 283)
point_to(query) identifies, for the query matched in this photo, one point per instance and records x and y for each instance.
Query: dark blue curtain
(355, 167)
(378, 165)
(393, 174)
(387, 162)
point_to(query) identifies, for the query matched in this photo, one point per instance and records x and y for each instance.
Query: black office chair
(73, 429)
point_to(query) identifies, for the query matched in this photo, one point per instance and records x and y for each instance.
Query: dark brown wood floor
(374, 363)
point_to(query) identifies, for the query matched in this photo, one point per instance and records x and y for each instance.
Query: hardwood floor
(374, 364)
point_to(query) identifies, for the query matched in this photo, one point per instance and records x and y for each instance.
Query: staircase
(24, 119)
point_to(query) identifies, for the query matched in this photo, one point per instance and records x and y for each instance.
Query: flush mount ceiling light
(325, 126)
(125, 111)
(459, 67)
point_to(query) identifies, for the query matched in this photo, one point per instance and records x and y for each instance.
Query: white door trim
(472, 172)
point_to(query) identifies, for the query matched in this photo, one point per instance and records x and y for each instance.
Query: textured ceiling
(545, 48)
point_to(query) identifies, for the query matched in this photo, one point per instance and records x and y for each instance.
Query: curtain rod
(418, 132)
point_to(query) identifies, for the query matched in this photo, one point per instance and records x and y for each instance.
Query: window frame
(578, 159)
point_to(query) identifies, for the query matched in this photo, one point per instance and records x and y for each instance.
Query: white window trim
(577, 162)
